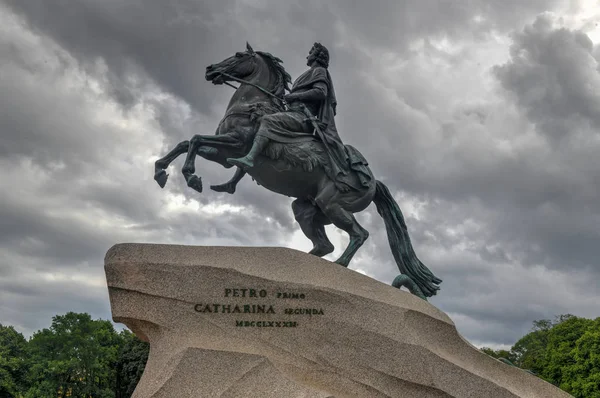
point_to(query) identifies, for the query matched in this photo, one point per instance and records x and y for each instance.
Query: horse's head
(240, 65)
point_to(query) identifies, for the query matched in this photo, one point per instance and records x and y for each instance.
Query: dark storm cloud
(499, 192)
(553, 76)
(393, 23)
(131, 36)
(172, 42)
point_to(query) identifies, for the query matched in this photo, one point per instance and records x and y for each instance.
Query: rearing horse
(295, 169)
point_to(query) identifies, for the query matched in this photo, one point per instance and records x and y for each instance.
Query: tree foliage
(133, 356)
(564, 352)
(76, 357)
(13, 362)
(582, 378)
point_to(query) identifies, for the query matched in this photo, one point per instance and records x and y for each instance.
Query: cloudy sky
(482, 117)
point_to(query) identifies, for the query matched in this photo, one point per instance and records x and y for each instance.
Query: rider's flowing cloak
(326, 115)
(343, 158)
(291, 126)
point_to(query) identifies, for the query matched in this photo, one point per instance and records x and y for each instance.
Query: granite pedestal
(275, 322)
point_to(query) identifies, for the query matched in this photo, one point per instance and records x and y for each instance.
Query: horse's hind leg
(160, 175)
(344, 220)
(312, 222)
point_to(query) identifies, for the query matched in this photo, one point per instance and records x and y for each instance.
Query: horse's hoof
(343, 263)
(321, 251)
(223, 188)
(195, 183)
(161, 178)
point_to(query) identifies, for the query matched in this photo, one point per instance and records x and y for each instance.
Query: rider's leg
(260, 143)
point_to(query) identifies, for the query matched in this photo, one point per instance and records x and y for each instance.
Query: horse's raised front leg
(208, 141)
(160, 175)
(230, 185)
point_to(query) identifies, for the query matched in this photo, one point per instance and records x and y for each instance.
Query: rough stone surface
(371, 340)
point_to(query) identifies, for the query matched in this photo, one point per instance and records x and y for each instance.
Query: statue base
(275, 322)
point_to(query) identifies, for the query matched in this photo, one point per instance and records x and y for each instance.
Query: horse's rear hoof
(195, 183)
(322, 250)
(343, 262)
(161, 178)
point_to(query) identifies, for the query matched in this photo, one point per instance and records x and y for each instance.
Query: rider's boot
(247, 161)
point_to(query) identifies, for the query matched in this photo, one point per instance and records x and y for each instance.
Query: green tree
(529, 351)
(13, 362)
(580, 375)
(133, 356)
(75, 357)
(564, 352)
(559, 353)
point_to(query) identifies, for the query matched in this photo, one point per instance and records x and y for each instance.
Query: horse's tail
(402, 249)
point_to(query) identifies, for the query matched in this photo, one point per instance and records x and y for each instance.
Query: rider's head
(320, 54)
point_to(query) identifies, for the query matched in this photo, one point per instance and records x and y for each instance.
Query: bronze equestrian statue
(289, 144)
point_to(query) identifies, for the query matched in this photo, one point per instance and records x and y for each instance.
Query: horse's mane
(283, 78)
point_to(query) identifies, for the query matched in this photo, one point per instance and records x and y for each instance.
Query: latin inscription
(235, 309)
(245, 293)
(251, 294)
(266, 324)
(304, 311)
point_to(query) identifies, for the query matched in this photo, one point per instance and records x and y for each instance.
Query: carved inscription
(234, 308)
(259, 296)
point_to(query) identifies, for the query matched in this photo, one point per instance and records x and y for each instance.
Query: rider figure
(312, 91)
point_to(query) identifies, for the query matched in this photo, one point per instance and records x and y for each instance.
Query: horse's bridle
(241, 81)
